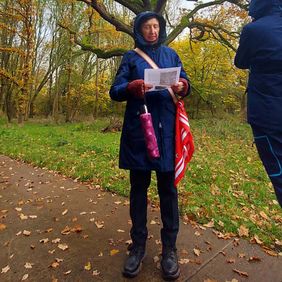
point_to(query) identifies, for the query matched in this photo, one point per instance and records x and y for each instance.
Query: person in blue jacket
(260, 51)
(150, 34)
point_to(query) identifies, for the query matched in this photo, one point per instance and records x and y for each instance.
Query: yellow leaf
(88, 266)
(114, 252)
(2, 226)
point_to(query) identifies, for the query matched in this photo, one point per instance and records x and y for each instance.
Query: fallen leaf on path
(32, 216)
(117, 202)
(63, 247)
(18, 209)
(83, 213)
(49, 230)
(158, 242)
(25, 277)
(153, 222)
(256, 240)
(5, 269)
(65, 212)
(184, 261)
(270, 252)
(26, 233)
(241, 273)
(28, 265)
(51, 251)
(56, 241)
(197, 252)
(120, 231)
(243, 231)
(54, 264)
(114, 252)
(87, 266)
(232, 260)
(95, 273)
(66, 230)
(156, 259)
(67, 272)
(2, 226)
(99, 224)
(44, 241)
(254, 259)
(23, 217)
(76, 229)
(210, 224)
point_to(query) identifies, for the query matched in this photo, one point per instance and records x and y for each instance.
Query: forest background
(58, 60)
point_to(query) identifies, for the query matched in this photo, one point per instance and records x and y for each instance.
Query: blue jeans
(140, 182)
(269, 146)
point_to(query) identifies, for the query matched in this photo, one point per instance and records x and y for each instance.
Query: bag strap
(154, 66)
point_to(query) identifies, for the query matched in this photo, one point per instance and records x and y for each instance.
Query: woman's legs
(169, 208)
(269, 146)
(139, 181)
(170, 218)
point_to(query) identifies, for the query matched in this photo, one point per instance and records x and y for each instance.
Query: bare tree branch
(100, 53)
(101, 9)
(131, 5)
(160, 6)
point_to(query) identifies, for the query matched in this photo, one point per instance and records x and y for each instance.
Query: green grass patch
(225, 181)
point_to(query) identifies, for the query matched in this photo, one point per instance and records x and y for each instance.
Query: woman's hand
(181, 87)
(138, 88)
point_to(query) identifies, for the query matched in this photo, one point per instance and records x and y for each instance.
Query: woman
(260, 50)
(150, 33)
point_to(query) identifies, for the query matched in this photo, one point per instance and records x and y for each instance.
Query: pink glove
(137, 88)
(181, 87)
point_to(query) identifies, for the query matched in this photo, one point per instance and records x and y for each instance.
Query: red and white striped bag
(184, 144)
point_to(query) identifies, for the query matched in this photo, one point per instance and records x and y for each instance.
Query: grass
(225, 182)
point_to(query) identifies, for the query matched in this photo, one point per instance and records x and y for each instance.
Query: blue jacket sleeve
(118, 91)
(243, 54)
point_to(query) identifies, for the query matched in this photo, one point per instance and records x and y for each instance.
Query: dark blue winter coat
(133, 154)
(260, 50)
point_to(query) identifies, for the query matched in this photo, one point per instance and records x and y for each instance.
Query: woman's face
(150, 30)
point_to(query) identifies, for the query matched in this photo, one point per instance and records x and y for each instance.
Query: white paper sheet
(161, 78)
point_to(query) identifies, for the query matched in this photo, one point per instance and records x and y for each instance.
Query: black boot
(169, 264)
(133, 263)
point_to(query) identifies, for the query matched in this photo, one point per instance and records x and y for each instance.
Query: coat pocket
(268, 156)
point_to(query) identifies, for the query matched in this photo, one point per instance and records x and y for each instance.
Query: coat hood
(139, 20)
(262, 8)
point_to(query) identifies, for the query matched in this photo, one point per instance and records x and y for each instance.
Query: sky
(189, 4)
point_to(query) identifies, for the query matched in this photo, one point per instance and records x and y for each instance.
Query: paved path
(55, 229)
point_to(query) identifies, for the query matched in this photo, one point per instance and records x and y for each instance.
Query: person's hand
(181, 87)
(138, 88)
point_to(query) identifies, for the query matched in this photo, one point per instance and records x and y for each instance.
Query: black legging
(140, 182)
(269, 146)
